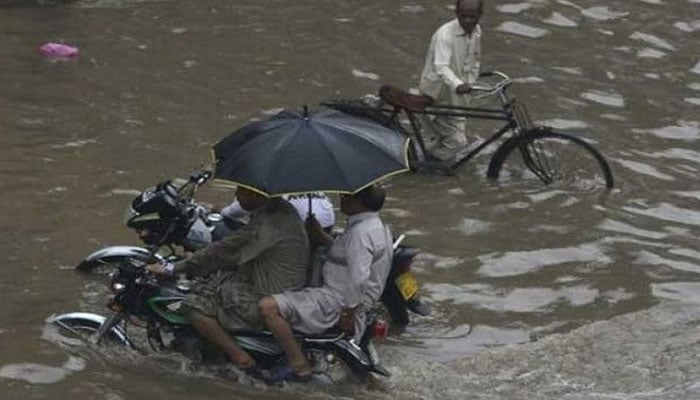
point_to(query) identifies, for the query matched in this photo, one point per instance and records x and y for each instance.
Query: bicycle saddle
(402, 99)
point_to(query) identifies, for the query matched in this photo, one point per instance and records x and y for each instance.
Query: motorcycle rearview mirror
(398, 241)
(200, 177)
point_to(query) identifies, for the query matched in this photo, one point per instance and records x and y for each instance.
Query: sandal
(258, 373)
(285, 373)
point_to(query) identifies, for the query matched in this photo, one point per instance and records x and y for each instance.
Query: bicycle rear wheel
(553, 158)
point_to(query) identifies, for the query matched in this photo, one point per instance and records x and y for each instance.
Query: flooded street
(537, 292)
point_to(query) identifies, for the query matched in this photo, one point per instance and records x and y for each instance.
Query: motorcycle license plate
(407, 284)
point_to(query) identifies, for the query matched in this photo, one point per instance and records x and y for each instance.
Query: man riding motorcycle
(266, 256)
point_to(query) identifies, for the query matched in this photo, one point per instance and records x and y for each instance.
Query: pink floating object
(58, 50)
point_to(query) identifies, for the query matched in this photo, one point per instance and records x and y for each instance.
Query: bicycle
(545, 152)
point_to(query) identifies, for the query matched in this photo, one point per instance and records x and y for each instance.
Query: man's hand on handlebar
(463, 89)
(160, 269)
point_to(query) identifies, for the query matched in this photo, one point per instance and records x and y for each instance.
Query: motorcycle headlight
(114, 284)
(118, 287)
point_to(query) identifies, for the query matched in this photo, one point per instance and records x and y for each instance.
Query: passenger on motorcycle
(354, 276)
(321, 208)
(268, 255)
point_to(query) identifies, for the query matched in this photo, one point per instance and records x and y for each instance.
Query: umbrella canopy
(298, 152)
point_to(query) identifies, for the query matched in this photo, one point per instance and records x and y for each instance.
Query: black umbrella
(298, 152)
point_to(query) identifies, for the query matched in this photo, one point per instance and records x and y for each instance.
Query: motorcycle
(166, 217)
(138, 294)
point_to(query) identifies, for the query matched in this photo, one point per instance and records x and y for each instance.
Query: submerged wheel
(395, 304)
(553, 158)
(82, 328)
(99, 267)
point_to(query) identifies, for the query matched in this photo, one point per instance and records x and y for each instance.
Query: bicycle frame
(512, 113)
(394, 104)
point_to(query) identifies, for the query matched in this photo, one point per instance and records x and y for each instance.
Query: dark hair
(480, 8)
(372, 197)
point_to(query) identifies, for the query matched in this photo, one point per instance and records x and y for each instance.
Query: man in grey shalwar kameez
(268, 255)
(354, 276)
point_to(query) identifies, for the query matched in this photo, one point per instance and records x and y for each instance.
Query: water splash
(42, 374)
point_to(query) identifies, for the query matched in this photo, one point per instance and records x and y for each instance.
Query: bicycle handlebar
(502, 83)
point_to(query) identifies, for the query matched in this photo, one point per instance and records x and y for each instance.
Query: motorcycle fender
(98, 320)
(354, 351)
(115, 254)
(353, 355)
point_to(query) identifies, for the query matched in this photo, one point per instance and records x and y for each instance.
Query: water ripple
(689, 27)
(470, 226)
(669, 212)
(514, 8)
(685, 130)
(651, 53)
(366, 75)
(693, 194)
(696, 69)
(520, 300)
(479, 337)
(560, 20)
(617, 226)
(517, 28)
(644, 169)
(523, 262)
(648, 258)
(606, 98)
(686, 253)
(687, 292)
(677, 154)
(651, 39)
(561, 123)
(603, 13)
(413, 9)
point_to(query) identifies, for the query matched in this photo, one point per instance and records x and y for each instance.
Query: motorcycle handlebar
(200, 177)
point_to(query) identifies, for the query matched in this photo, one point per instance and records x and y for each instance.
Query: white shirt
(453, 58)
(359, 261)
(321, 207)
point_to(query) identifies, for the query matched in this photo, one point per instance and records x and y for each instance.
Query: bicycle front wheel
(553, 158)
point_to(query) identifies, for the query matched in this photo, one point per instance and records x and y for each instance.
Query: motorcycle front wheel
(99, 267)
(84, 326)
